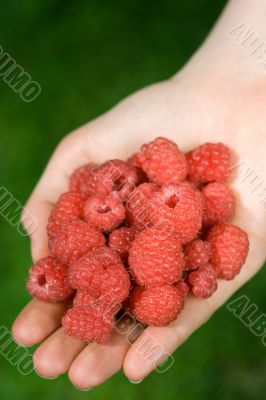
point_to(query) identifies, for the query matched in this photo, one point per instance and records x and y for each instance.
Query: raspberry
(180, 207)
(219, 203)
(197, 254)
(81, 179)
(106, 213)
(121, 240)
(208, 162)
(156, 306)
(163, 162)
(87, 272)
(100, 272)
(48, 280)
(114, 176)
(203, 281)
(88, 324)
(103, 304)
(183, 288)
(116, 283)
(137, 205)
(73, 240)
(229, 246)
(134, 162)
(69, 207)
(153, 261)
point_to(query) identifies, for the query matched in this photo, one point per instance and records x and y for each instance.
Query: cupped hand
(192, 108)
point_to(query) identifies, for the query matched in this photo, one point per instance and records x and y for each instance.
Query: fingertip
(134, 368)
(21, 335)
(78, 376)
(44, 367)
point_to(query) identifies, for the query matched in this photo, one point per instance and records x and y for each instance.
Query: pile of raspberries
(140, 235)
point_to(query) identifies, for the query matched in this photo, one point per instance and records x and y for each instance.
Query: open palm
(191, 109)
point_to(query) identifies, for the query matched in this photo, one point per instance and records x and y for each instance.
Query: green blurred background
(88, 55)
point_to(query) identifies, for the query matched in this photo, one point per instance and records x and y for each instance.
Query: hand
(190, 109)
(207, 101)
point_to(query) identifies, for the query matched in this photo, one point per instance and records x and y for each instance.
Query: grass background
(87, 55)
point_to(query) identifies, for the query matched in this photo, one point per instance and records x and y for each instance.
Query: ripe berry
(219, 203)
(135, 163)
(100, 272)
(73, 240)
(153, 261)
(163, 162)
(197, 254)
(69, 207)
(180, 207)
(203, 281)
(156, 306)
(209, 162)
(120, 240)
(80, 180)
(106, 213)
(182, 287)
(88, 324)
(103, 304)
(229, 247)
(48, 280)
(137, 212)
(115, 176)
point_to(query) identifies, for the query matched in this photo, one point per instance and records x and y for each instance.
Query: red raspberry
(197, 254)
(88, 324)
(114, 176)
(203, 281)
(69, 207)
(81, 179)
(100, 272)
(134, 162)
(103, 304)
(153, 261)
(116, 283)
(163, 162)
(48, 280)
(106, 213)
(183, 288)
(229, 246)
(156, 306)
(219, 203)
(137, 205)
(180, 207)
(121, 240)
(208, 162)
(73, 240)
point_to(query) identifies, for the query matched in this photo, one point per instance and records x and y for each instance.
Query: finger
(96, 363)
(55, 354)
(53, 182)
(37, 321)
(39, 210)
(158, 343)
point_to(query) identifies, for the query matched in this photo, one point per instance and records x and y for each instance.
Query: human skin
(219, 96)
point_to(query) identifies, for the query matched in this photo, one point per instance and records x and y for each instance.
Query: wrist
(236, 47)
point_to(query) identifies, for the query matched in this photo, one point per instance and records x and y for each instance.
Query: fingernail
(82, 389)
(46, 377)
(20, 344)
(135, 382)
